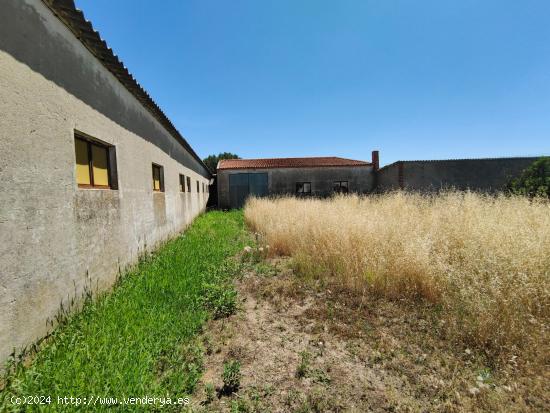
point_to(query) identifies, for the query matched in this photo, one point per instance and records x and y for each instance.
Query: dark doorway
(241, 186)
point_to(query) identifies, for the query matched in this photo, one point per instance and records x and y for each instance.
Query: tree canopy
(534, 180)
(211, 161)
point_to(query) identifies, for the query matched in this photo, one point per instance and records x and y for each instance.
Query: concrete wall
(56, 240)
(283, 180)
(488, 175)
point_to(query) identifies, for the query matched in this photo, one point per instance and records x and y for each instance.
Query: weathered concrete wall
(387, 178)
(283, 181)
(56, 239)
(488, 175)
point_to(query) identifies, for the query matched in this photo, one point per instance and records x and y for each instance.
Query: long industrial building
(92, 173)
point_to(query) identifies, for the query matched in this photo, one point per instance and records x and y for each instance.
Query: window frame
(198, 188)
(340, 186)
(303, 184)
(112, 181)
(188, 184)
(161, 177)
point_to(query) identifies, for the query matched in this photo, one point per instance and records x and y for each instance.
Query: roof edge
(74, 20)
(462, 159)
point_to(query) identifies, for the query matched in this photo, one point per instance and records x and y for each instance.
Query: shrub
(534, 181)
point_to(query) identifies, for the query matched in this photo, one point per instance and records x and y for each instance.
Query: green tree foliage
(212, 160)
(534, 180)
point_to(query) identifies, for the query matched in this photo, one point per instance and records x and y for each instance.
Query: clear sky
(416, 79)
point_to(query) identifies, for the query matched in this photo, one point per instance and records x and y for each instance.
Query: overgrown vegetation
(481, 262)
(140, 339)
(534, 181)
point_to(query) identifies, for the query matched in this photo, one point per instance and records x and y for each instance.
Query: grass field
(481, 262)
(139, 339)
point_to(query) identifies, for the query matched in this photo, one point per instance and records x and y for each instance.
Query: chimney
(375, 160)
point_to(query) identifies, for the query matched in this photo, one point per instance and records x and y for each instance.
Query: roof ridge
(304, 162)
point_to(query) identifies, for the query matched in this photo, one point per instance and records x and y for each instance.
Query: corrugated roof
(288, 163)
(74, 19)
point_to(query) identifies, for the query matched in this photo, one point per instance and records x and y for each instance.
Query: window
(93, 164)
(198, 187)
(188, 184)
(340, 187)
(182, 183)
(158, 178)
(303, 188)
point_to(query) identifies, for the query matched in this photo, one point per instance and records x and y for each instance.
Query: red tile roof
(288, 163)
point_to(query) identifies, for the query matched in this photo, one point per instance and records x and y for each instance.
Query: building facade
(239, 178)
(486, 175)
(92, 173)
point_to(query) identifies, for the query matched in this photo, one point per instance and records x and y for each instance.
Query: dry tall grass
(483, 261)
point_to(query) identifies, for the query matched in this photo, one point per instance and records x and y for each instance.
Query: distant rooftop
(289, 163)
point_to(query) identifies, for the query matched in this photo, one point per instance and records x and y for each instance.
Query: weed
(303, 368)
(320, 376)
(220, 299)
(231, 376)
(240, 405)
(210, 393)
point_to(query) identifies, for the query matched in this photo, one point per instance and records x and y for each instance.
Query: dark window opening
(188, 184)
(303, 188)
(158, 178)
(341, 187)
(182, 183)
(95, 164)
(198, 187)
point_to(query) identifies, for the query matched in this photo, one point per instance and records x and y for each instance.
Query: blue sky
(415, 79)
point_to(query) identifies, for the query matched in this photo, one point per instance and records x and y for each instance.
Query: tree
(211, 161)
(534, 180)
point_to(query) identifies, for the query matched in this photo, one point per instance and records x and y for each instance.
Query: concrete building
(239, 178)
(92, 173)
(487, 175)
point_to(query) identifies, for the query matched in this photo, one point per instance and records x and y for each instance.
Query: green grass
(141, 338)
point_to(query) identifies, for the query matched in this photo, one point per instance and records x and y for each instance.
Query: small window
(182, 183)
(341, 187)
(93, 164)
(303, 188)
(188, 184)
(198, 187)
(158, 178)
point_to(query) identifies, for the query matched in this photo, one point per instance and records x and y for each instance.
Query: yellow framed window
(92, 164)
(158, 178)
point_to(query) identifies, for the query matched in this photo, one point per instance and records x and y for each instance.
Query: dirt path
(303, 348)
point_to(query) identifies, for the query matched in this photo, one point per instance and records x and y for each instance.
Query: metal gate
(241, 186)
